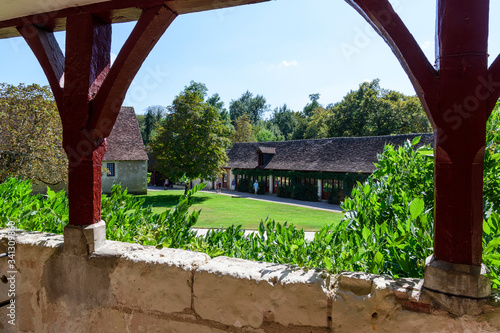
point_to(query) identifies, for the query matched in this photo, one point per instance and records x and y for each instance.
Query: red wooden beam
(49, 55)
(92, 94)
(116, 10)
(457, 98)
(148, 30)
(88, 46)
(383, 18)
(462, 34)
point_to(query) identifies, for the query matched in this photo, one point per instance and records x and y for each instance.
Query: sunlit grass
(221, 211)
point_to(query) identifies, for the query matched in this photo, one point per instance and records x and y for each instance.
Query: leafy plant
(306, 192)
(262, 187)
(334, 195)
(31, 144)
(285, 191)
(244, 185)
(387, 229)
(392, 212)
(48, 213)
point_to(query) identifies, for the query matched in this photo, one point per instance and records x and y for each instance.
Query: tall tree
(267, 131)
(317, 127)
(308, 109)
(284, 118)
(149, 121)
(31, 135)
(198, 88)
(149, 126)
(371, 110)
(216, 102)
(254, 107)
(242, 130)
(191, 140)
(300, 129)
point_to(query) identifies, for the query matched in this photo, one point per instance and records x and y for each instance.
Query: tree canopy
(31, 135)
(242, 130)
(191, 140)
(371, 110)
(368, 111)
(317, 127)
(148, 122)
(310, 107)
(284, 118)
(254, 107)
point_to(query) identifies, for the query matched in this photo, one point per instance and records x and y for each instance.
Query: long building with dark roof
(346, 155)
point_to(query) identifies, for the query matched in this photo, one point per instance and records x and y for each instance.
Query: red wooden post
(89, 93)
(457, 100)
(88, 49)
(458, 97)
(462, 33)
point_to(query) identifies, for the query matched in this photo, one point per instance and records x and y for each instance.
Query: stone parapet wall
(132, 288)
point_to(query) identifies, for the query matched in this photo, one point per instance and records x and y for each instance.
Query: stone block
(95, 235)
(358, 283)
(241, 293)
(455, 279)
(152, 279)
(459, 289)
(84, 240)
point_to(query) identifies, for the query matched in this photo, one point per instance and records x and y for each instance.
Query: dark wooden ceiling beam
(115, 10)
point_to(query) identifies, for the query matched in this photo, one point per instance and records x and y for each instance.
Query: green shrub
(387, 229)
(47, 213)
(244, 185)
(305, 192)
(334, 196)
(125, 219)
(492, 164)
(390, 216)
(285, 191)
(262, 187)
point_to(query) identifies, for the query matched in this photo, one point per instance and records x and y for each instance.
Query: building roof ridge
(264, 143)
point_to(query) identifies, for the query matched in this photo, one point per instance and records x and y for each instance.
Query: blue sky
(283, 50)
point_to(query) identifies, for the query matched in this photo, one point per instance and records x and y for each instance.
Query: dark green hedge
(244, 185)
(305, 192)
(349, 179)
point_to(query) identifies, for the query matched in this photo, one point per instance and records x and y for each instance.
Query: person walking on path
(256, 186)
(233, 185)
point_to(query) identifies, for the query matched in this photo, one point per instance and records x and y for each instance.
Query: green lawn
(221, 211)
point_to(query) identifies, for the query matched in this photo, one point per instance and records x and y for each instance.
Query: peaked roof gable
(266, 150)
(347, 154)
(125, 141)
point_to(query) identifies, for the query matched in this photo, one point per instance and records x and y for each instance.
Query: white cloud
(289, 63)
(426, 44)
